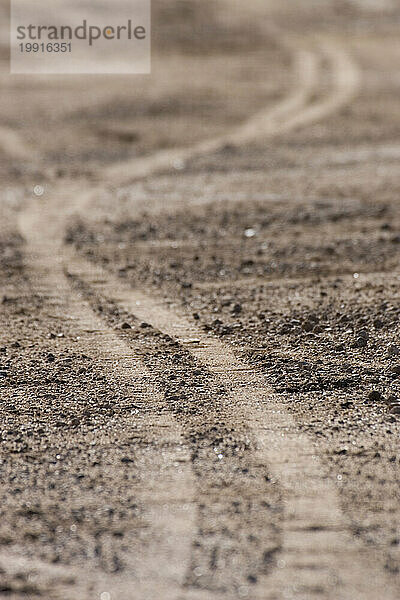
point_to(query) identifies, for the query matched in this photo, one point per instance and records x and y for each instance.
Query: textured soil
(153, 328)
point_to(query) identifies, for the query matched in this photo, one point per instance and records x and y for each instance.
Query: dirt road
(200, 341)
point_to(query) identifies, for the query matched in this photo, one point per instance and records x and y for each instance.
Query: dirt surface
(200, 341)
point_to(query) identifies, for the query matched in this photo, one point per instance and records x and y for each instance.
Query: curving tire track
(262, 125)
(314, 527)
(292, 112)
(45, 259)
(346, 84)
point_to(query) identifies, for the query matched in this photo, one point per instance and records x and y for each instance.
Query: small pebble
(308, 326)
(249, 233)
(363, 334)
(374, 396)
(393, 351)
(125, 326)
(347, 404)
(360, 343)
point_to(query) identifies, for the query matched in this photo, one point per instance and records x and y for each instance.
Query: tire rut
(156, 540)
(314, 528)
(262, 125)
(238, 503)
(318, 555)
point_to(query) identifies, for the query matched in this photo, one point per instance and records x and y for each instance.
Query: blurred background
(214, 64)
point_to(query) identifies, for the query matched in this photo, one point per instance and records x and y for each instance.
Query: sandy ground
(200, 341)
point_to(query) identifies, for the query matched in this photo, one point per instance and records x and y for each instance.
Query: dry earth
(200, 335)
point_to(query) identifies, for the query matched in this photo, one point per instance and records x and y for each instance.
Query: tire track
(304, 528)
(157, 559)
(45, 260)
(262, 125)
(319, 556)
(346, 83)
(291, 113)
(239, 506)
